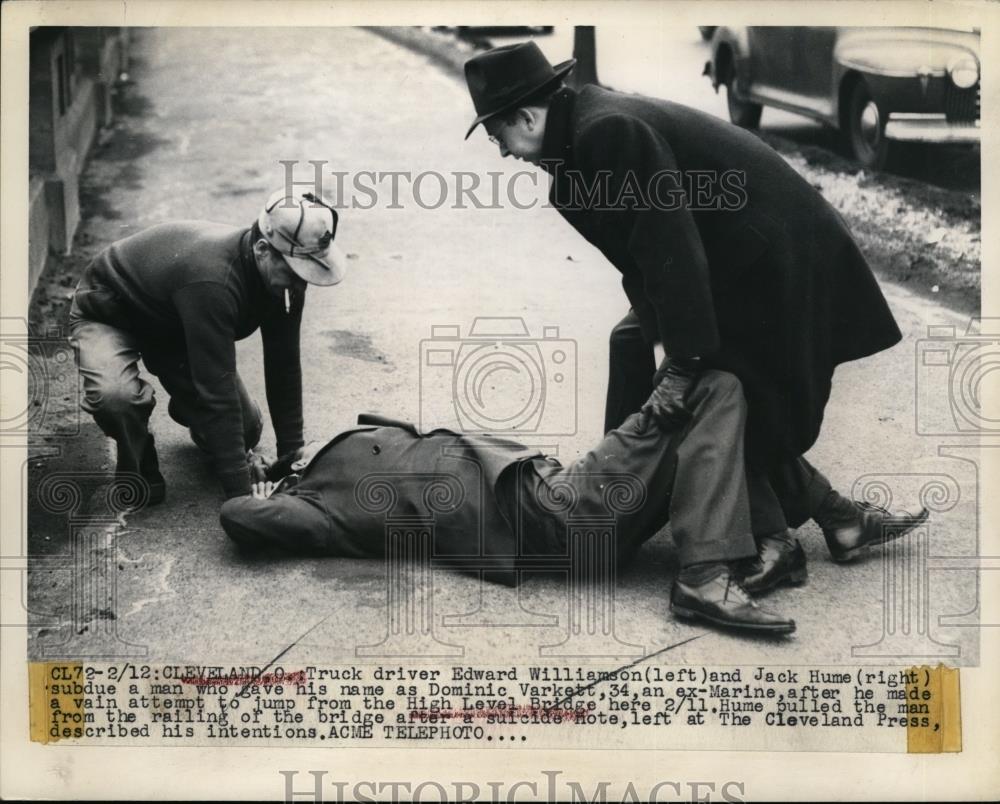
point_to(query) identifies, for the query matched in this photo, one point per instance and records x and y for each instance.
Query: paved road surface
(204, 138)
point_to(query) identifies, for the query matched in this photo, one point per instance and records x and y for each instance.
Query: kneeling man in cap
(179, 295)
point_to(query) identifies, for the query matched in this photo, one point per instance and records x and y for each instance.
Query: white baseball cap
(301, 227)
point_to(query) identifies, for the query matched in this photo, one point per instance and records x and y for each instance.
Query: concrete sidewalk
(212, 115)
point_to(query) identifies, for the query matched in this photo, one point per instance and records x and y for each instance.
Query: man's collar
(558, 141)
(247, 259)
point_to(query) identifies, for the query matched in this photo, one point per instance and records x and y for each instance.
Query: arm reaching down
(207, 312)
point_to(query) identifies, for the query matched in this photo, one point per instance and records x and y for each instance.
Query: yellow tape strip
(934, 697)
(51, 709)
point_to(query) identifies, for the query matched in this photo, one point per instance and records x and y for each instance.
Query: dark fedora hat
(501, 78)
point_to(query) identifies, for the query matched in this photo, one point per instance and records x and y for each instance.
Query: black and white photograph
(619, 394)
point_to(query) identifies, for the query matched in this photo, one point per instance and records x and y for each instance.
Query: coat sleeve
(283, 374)
(642, 205)
(207, 314)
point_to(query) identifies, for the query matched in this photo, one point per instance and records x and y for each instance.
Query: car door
(772, 58)
(814, 65)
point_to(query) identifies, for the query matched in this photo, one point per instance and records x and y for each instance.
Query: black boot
(149, 468)
(780, 560)
(849, 526)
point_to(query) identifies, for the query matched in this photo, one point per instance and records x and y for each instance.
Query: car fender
(903, 53)
(889, 54)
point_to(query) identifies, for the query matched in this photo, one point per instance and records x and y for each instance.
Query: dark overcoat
(385, 475)
(726, 252)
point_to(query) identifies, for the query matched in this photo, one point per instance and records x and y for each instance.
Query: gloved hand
(666, 405)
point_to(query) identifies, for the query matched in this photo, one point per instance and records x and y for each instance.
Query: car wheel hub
(871, 124)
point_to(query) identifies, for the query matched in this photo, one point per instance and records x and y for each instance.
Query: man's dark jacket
(382, 471)
(770, 287)
(193, 288)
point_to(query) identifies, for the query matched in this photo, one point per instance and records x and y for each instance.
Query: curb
(444, 49)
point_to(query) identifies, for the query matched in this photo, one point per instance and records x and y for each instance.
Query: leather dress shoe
(722, 601)
(779, 561)
(849, 527)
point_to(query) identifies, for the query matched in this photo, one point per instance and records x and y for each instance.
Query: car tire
(865, 128)
(745, 114)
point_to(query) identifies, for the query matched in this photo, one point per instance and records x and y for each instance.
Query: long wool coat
(726, 253)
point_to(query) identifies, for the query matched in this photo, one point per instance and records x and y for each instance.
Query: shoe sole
(849, 555)
(690, 614)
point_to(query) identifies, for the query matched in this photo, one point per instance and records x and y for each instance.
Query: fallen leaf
(934, 236)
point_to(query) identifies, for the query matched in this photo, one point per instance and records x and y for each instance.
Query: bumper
(911, 127)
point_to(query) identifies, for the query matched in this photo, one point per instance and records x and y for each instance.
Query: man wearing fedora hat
(766, 283)
(179, 295)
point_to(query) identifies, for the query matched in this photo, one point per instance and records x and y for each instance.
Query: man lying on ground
(505, 504)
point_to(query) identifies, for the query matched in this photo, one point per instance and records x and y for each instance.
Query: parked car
(877, 85)
(505, 30)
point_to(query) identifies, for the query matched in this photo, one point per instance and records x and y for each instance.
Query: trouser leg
(114, 393)
(173, 371)
(787, 495)
(801, 488)
(630, 371)
(694, 477)
(767, 515)
(709, 506)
